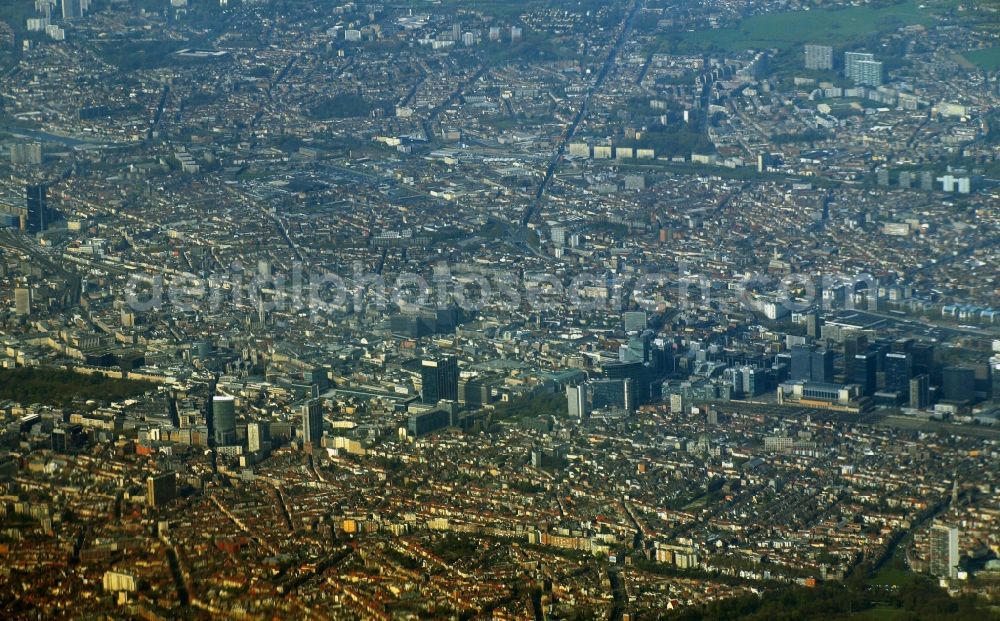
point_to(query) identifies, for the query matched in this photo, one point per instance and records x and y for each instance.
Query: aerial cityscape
(500, 309)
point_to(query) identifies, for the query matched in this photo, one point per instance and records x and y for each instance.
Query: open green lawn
(893, 575)
(986, 58)
(834, 27)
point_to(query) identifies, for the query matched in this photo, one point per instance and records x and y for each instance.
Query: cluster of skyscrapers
(259, 433)
(911, 376)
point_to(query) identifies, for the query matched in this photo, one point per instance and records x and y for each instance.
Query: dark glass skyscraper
(812, 365)
(920, 391)
(821, 366)
(619, 393)
(439, 379)
(863, 372)
(37, 219)
(634, 371)
(801, 362)
(923, 360)
(898, 372)
(312, 422)
(958, 384)
(854, 345)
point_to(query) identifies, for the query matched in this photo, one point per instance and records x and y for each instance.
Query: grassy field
(986, 58)
(894, 573)
(834, 27)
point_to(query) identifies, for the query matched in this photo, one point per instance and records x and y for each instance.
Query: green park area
(987, 58)
(821, 26)
(61, 388)
(917, 598)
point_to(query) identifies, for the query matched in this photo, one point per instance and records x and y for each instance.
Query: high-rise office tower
(821, 365)
(161, 489)
(637, 373)
(37, 209)
(801, 367)
(439, 379)
(634, 321)
(920, 387)
(923, 360)
(637, 349)
(576, 398)
(864, 372)
(819, 57)
(944, 551)
(881, 347)
(224, 420)
(615, 393)
(752, 382)
(258, 436)
(810, 364)
(427, 422)
(994, 378)
(476, 391)
(902, 346)
(958, 384)
(898, 373)
(853, 345)
(814, 325)
(312, 422)
(662, 357)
